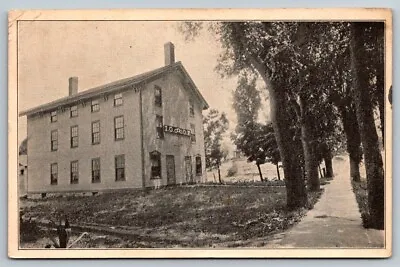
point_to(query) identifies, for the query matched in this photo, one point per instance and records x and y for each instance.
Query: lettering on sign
(176, 130)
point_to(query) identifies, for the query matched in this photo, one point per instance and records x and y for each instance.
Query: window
(159, 127)
(95, 105)
(96, 132)
(118, 101)
(74, 111)
(53, 116)
(191, 108)
(54, 140)
(119, 127)
(155, 158)
(74, 172)
(54, 173)
(198, 165)
(157, 96)
(120, 168)
(96, 170)
(74, 136)
(192, 133)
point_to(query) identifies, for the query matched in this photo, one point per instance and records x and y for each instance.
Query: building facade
(143, 131)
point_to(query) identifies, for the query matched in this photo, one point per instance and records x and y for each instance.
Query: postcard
(200, 133)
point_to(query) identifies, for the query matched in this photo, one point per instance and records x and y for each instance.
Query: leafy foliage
(306, 67)
(215, 125)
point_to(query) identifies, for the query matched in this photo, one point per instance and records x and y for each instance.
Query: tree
(272, 151)
(335, 78)
(247, 102)
(315, 114)
(215, 125)
(374, 63)
(263, 47)
(255, 140)
(365, 118)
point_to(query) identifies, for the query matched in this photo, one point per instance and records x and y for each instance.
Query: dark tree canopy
(313, 72)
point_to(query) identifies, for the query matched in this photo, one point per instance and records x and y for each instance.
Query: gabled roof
(115, 86)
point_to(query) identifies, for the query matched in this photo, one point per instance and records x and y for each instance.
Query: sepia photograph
(200, 133)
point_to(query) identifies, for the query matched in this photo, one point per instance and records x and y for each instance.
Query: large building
(138, 132)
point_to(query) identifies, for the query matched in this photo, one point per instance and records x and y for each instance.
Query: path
(335, 220)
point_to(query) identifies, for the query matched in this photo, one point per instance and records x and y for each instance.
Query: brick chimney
(169, 53)
(73, 85)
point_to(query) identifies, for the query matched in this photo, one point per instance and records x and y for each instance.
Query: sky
(98, 52)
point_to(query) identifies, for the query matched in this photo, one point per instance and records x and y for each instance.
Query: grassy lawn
(188, 216)
(246, 172)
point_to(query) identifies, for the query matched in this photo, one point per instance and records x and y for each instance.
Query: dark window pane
(54, 173)
(54, 140)
(95, 105)
(95, 138)
(198, 166)
(159, 127)
(191, 108)
(120, 175)
(155, 158)
(193, 133)
(157, 96)
(120, 161)
(119, 122)
(74, 172)
(96, 132)
(118, 101)
(119, 128)
(74, 111)
(96, 170)
(74, 136)
(119, 133)
(120, 168)
(53, 116)
(160, 132)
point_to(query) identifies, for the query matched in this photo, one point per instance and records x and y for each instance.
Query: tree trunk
(350, 126)
(259, 171)
(354, 170)
(382, 119)
(310, 163)
(295, 187)
(320, 171)
(309, 150)
(277, 172)
(296, 193)
(380, 77)
(219, 175)
(369, 137)
(380, 83)
(328, 163)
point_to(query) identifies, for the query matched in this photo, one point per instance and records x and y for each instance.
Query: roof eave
(99, 90)
(111, 87)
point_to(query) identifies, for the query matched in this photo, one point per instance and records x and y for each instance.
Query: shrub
(232, 171)
(29, 231)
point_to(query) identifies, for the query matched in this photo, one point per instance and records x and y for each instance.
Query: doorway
(171, 179)
(188, 169)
